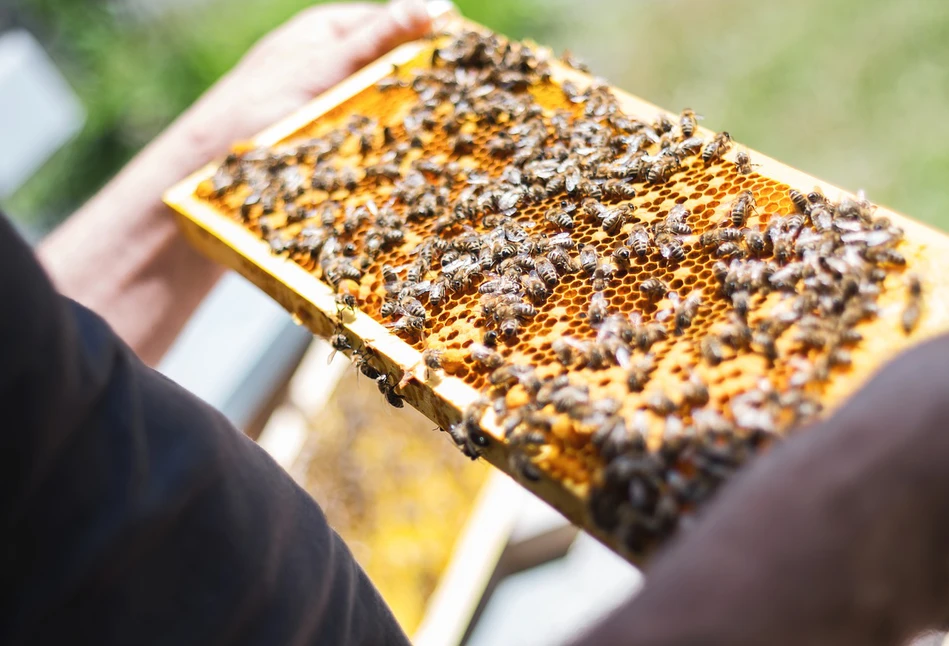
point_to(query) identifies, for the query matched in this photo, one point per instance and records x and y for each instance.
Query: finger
(399, 22)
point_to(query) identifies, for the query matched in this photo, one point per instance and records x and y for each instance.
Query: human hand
(838, 536)
(319, 47)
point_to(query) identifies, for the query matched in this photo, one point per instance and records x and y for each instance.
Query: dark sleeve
(133, 513)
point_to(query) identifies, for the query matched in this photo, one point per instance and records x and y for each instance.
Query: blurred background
(851, 91)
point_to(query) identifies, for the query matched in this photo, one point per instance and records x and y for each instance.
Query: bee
(509, 199)
(463, 144)
(622, 255)
(361, 360)
(720, 271)
(741, 303)
(340, 343)
(616, 189)
(509, 327)
(572, 179)
(386, 387)
(612, 219)
(407, 323)
(604, 273)
(465, 277)
(547, 272)
(506, 376)
(687, 123)
(839, 357)
(411, 306)
(712, 350)
(523, 310)
(675, 221)
(645, 336)
(687, 311)
(638, 374)
(469, 430)
(366, 143)
(714, 237)
(717, 147)
(816, 197)
(462, 440)
(614, 438)
(813, 338)
(569, 398)
(662, 169)
(764, 344)
(538, 192)
(588, 258)
(663, 124)
(589, 189)
(523, 465)
(599, 308)
(729, 250)
(535, 287)
(279, 244)
(562, 215)
(438, 291)
(735, 334)
(639, 240)
(688, 147)
(336, 269)
(795, 222)
(670, 248)
(695, 392)
(800, 201)
(660, 403)
(741, 208)
(499, 285)
(346, 294)
(886, 256)
(653, 289)
(492, 304)
(389, 308)
(390, 171)
(564, 350)
(743, 162)
(821, 217)
(501, 146)
(435, 359)
(561, 260)
(914, 301)
(755, 241)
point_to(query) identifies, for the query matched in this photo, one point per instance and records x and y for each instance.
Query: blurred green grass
(853, 92)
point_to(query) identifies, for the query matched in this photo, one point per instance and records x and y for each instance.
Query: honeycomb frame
(443, 398)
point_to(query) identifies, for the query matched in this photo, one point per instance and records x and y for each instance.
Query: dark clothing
(133, 513)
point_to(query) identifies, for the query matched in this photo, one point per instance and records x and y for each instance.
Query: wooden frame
(312, 302)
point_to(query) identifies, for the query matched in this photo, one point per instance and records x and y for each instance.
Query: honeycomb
(400, 518)
(611, 303)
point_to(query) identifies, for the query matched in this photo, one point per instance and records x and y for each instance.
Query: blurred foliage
(852, 91)
(135, 71)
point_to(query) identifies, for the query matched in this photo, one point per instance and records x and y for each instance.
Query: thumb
(400, 22)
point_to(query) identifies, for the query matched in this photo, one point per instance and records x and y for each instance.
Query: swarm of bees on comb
(640, 314)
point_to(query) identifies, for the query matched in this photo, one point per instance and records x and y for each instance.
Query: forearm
(840, 536)
(123, 256)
